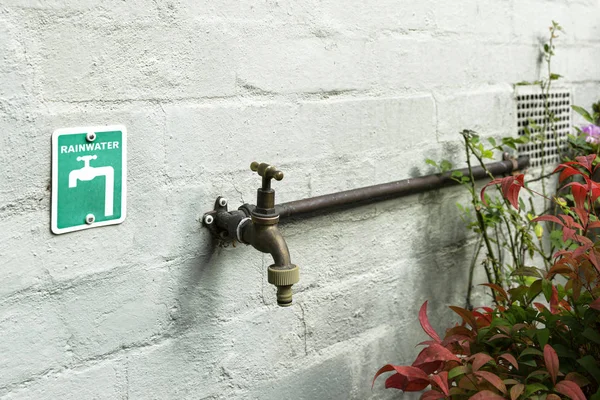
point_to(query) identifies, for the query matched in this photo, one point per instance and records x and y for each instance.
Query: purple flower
(593, 133)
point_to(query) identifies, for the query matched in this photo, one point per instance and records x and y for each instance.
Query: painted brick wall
(338, 94)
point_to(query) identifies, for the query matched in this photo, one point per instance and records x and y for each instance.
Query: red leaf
(510, 187)
(569, 389)
(498, 289)
(560, 268)
(398, 381)
(582, 249)
(583, 214)
(553, 302)
(594, 224)
(511, 359)
(426, 325)
(486, 395)
(595, 304)
(434, 353)
(432, 395)
(570, 221)
(586, 161)
(493, 379)
(516, 391)
(579, 193)
(553, 396)
(466, 315)
(482, 319)
(431, 367)
(480, 359)
(595, 190)
(551, 360)
(550, 218)
(568, 233)
(409, 374)
(567, 172)
(594, 260)
(441, 381)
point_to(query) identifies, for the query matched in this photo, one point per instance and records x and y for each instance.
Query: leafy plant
(520, 348)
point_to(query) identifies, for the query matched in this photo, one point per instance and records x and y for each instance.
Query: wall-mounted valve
(257, 226)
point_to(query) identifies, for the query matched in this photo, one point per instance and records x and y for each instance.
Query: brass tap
(262, 233)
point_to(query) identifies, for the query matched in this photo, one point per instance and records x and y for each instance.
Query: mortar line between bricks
(276, 98)
(326, 96)
(64, 285)
(155, 341)
(86, 363)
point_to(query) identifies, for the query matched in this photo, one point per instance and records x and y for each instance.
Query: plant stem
(480, 219)
(472, 272)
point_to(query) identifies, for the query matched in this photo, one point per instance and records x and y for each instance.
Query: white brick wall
(339, 94)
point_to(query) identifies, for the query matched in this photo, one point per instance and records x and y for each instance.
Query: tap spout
(267, 239)
(262, 234)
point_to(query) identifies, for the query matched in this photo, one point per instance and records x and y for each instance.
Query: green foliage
(522, 348)
(541, 338)
(586, 115)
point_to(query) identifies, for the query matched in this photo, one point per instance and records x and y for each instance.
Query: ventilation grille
(530, 110)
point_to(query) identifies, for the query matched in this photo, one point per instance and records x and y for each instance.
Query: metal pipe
(391, 190)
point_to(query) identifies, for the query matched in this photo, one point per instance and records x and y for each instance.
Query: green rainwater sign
(89, 177)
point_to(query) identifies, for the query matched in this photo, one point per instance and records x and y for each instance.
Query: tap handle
(268, 172)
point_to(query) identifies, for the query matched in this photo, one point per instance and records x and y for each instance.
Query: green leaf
(534, 289)
(509, 142)
(529, 363)
(547, 289)
(591, 365)
(543, 335)
(445, 165)
(431, 162)
(527, 271)
(554, 77)
(457, 174)
(457, 371)
(581, 111)
(517, 293)
(522, 139)
(564, 352)
(531, 351)
(492, 141)
(592, 334)
(534, 387)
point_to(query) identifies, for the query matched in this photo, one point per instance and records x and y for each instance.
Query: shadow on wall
(444, 257)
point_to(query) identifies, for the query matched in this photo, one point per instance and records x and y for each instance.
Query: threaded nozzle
(284, 296)
(283, 278)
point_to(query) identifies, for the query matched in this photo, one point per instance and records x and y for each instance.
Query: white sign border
(71, 131)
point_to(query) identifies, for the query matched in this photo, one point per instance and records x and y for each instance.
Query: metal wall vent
(530, 109)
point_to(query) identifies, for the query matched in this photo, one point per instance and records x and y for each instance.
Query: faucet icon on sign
(88, 173)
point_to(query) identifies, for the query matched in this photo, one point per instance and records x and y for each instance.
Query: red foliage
(510, 186)
(499, 353)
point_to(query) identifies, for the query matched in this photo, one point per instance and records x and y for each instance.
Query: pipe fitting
(283, 278)
(258, 226)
